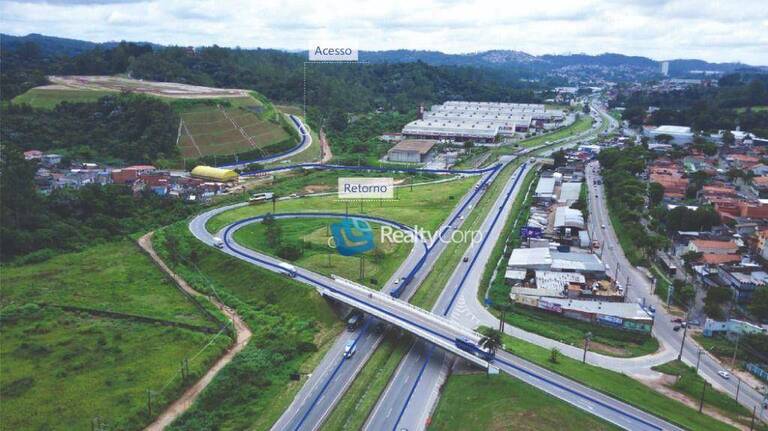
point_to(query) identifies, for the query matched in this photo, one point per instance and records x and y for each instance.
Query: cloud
(660, 29)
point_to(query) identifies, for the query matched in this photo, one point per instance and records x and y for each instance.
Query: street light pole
(735, 349)
(682, 343)
(703, 391)
(698, 359)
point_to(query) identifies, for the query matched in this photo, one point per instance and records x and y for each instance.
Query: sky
(717, 31)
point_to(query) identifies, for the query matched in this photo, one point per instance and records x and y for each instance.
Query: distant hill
(611, 66)
(606, 65)
(51, 46)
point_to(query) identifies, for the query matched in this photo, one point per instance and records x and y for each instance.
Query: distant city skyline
(659, 29)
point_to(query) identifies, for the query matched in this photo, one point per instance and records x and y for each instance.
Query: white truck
(260, 197)
(217, 242)
(289, 269)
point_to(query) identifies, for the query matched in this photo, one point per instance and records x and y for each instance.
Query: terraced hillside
(246, 125)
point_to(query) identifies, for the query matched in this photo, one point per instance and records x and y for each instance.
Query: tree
(759, 304)
(663, 138)
(728, 138)
(491, 340)
(655, 194)
(468, 145)
(554, 355)
(559, 158)
(716, 297)
(273, 232)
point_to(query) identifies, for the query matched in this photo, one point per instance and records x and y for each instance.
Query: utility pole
(752, 423)
(703, 391)
(149, 403)
(738, 387)
(362, 268)
(735, 349)
(670, 289)
(682, 343)
(587, 338)
(698, 359)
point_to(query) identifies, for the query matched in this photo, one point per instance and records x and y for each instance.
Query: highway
(640, 289)
(438, 330)
(406, 403)
(331, 381)
(333, 375)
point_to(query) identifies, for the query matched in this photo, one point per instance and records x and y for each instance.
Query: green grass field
(62, 369)
(426, 205)
(313, 235)
(691, 384)
(292, 326)
(114, 276)
(490, 403)
(618, 386)
(48, 99)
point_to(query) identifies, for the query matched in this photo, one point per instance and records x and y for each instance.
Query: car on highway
(724, 374)
(677, 320)
(466, 259)
(349, 349)
(602, 226)
(354, 321)
(676, 328)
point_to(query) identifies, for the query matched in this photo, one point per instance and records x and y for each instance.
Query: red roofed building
(720, 259)
(743, 161)
(713, 247)
(33, 155)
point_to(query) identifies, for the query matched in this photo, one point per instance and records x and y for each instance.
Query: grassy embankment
(292, 328)
(312, 236)
(481, 402)
(690, 384)
(48, 99)
(426, 205)
(582, 124)
(77, 368)
(617, 385)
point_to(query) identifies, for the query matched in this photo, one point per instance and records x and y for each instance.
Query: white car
(602, 226)
(724, 374)
(349, 349)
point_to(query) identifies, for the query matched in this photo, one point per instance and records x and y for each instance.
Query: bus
(260, 197)
(467, 345)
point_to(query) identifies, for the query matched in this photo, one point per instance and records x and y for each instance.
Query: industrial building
(214, 174)
(482, 122)
(680, 134)
(411, 151)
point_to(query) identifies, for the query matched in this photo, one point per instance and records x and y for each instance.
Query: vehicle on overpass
(467, 345)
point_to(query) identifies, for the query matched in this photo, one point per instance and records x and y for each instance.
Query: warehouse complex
(482, 122)
(410, 151)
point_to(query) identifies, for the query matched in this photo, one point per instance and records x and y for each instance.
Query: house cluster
(559, 269)
(52, 175)
(730, 254)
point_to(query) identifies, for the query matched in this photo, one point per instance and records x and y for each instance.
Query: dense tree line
(626, 197)
(131, 128)
(69, 219)
(705, 108)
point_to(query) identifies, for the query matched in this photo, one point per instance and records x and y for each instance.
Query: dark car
(676, 328)
(466, 259)
(677, 320)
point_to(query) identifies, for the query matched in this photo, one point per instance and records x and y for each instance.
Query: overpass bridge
(442, 332)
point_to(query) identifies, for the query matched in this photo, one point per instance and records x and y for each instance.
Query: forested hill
(333, 89)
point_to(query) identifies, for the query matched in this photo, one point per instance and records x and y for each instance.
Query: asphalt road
(640, 289)
(333, 375)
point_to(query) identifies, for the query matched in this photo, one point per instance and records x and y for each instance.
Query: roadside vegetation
(616, 385)
(583, 123)
(481, 402)
(86, 335)
(291, 324)
(690, 384)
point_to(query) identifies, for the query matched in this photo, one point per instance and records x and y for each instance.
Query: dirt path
(325, 148)
(181, 405)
